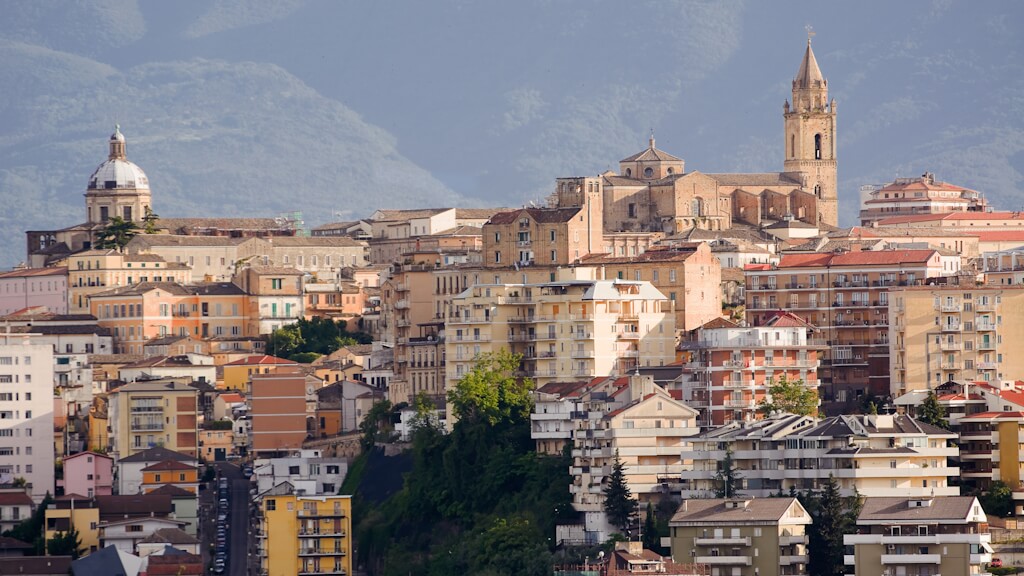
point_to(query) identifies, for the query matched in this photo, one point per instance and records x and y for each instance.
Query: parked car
(995, 563)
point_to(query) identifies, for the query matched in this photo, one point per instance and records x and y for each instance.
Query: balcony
(629, 335)
(741, 404)
(986, 344)
(469, 320)
(320, 533)
(402, 304)
(401, 287)
(911, 558)
(949, 346)
(738, 383)
(949, 307)
(950, 327)
(515, 300)
(721, 541)
(147, 409)
(981, 326)
(310, 571)
(147, 427)
(790, 560)
(723, 560)
(582, 353)
(320, 552)
(628, 317)
(335, 513)
(987, 365)
(582, 335)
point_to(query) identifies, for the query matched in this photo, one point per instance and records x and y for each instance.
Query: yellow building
(99, 440)
(93, 271)
(153, 413)
(954, 333)
(172, 472)
(574, 329)
(239, 373)
(78, 511)
(304, 534)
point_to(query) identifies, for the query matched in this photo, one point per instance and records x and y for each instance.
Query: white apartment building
(307, 471)
(874, 455)
(26, 413)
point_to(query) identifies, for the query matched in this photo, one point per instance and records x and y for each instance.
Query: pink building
(27, 287)
(89, 474)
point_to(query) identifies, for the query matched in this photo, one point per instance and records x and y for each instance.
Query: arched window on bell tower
(792, 145)
(817, 146)
(817, 190)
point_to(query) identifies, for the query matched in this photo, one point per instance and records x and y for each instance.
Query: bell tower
(810, 132)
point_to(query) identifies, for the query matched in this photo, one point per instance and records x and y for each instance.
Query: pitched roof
(56, 565)
(116, 507)
(173, 491)
(157, 454)
(260, 361)
(652, 154)
(322, 241)
(170, 536)
(674, 253)
(150, 240)
(732, 511)
(756, 179)
(899, 510)
(34, 272)
(719, 323)
(168, 465)
(540, 215)
(18, 498)
(109, 560)
(809, 75)
(403, 215)
(784, 319)
(185, 224)
(859, 258)
(477, 213)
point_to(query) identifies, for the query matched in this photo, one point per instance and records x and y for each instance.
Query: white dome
(118, 174)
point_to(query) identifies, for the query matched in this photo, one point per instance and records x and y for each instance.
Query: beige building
(873, 455)
(920, 535)
(742, 536)
(688, 274)
(275, 297)
(564, 330)
(93, 271)
(544, 236)
(144, 415)
(954, 333)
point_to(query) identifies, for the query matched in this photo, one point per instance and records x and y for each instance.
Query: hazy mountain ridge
(358, 105)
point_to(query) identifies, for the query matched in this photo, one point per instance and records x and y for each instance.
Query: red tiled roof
(540, 215)
(998, 235)
(231, 397)
(861, 258)
(953, 216)
(24, 272)
(783, 319)
(15, 499)
(260, 360)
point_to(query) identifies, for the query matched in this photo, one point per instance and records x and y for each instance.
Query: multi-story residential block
(197, 367)
(990, 451)
(129, 469)
(280, 405)
(919, 535)
(742, 536)
(945, 334)
(26, 413)
(545, 236)
(574, 329)
(307, 471)
(917, 196)
(31, 287)
(275, 296)
(15, 507)
(729, 368)
(989, 221)
(630, 418)
(874, 455)
(93, 271)
(125, 521)
(689, 274)
(153, 413)
(397, 232)
(170, 472)
(304, 534)
(136, 314)
(89, 474)
(845, 294)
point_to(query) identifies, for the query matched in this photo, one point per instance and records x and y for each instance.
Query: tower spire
(117, 144)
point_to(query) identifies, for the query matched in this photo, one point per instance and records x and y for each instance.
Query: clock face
(309, 389)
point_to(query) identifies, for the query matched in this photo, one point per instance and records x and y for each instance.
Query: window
(275, 283)
(271, 505)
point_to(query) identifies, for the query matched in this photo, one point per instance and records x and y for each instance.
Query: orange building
(172, 472)
(279, 408)
(138, 313)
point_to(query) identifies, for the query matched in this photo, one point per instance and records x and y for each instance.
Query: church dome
(117, 173)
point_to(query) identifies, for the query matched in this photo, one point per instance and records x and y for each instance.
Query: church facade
(653, 192)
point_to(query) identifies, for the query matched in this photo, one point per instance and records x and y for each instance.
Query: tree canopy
(65, 544)
(833, 516)
(727, 479)
(793, 397)
(931, 412)
(116, 234)
(619, 505)
(319, 336)
(491, 392)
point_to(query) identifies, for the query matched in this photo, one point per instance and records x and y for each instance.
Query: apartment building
(130, 469)
(397, 232)
(846, 295)
(29, 287)
(238, 374)
(945, 334)
(576, 329)
(275, 297)
(307, 471)
(919, 196)
(304, 534)
(74, 510)
(153, 413)
(26, 413)
(689, 274)
(874, 455)
(138, 313)
(919, 535)
(729, 368)
(543, 236)
(990, 451)
(742, 536)
(93, 271)
(15, 507)
(89, 474)
(280, 405)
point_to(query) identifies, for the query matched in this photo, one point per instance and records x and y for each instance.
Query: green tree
(931, 412)
(304, 357)
(376, 425)
(65, 544)
(833, 517)
(115, 234)
(149, 221)
(651, 534)
(491, 392)
(285, 341)
(997, 500)
(793, 397)
(619, 505)
(727, 479)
